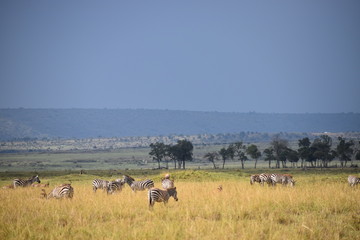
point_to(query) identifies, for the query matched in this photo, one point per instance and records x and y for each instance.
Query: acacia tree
(239, 151)
(226, 153)
(292, 156)
(212, 156)
(304, 151)
(254, 152)
(322, 150)
(158, 152)
(344, 150)
(182, 151)
(269, 155)
(280, 147)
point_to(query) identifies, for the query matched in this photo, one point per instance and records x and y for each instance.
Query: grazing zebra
(167, 183)
(288, 180)
(138, 185)
(114, 186)
(100, 184)
(158, 195)
(284, 179)
(353, 180)
(62, 191)
(265, 178)
(25, 183)
(255, 178)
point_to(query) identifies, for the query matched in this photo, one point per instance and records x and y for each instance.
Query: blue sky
(227, 56)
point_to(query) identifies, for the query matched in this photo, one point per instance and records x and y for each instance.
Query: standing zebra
(265, 178)
(62, 191)
(138, 185)
(284, 179)
(353, 180)
(255, 178)
(100, 184)
(158, 195)
(114, 186)
(25, 183)
(167, 183)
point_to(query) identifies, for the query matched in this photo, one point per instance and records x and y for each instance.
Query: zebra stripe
(265, 178)
(138, 185)
(62, 191)
(25, 183)
(255, 178)
(167, 183)
(353, 180)
(99, 184)
(114, 186)
(158, 195)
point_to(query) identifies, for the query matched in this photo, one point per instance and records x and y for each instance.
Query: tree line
(318, 153)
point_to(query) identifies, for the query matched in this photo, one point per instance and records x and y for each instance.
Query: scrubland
(320, 206)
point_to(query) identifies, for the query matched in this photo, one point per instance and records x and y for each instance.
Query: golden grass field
(318, 207)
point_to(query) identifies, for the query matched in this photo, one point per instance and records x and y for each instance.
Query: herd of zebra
(67, 191)
(154, 194)
(272, 179)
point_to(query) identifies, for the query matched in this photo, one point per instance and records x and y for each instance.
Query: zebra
(26, 183)
(158, 195)
(167, 183)
(288, 180)
(114, 186)
(255, 178)
(284, 179)
(353, 180)
(265, 178)
(100, 184)
(138, 185)
(62, 191)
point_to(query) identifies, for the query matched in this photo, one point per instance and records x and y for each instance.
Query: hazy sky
(229, 56)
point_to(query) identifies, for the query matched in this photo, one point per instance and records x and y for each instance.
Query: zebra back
(99, 184)
(167, 183)
(142, 185)
(158, 195)
(26, 183)
(62, 191)
(276, 178)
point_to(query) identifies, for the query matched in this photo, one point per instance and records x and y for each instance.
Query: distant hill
(90, 123)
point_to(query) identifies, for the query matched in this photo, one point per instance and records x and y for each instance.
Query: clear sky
(228, 56)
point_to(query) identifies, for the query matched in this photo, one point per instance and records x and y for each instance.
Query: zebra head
(292, 182)
(35, 179)
(173, 193)
(127, 179)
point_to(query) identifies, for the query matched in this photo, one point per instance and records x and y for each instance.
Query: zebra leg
(151, 201)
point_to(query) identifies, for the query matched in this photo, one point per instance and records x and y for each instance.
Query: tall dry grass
(314, 209)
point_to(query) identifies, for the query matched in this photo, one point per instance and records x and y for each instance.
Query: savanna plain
(320, 206)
